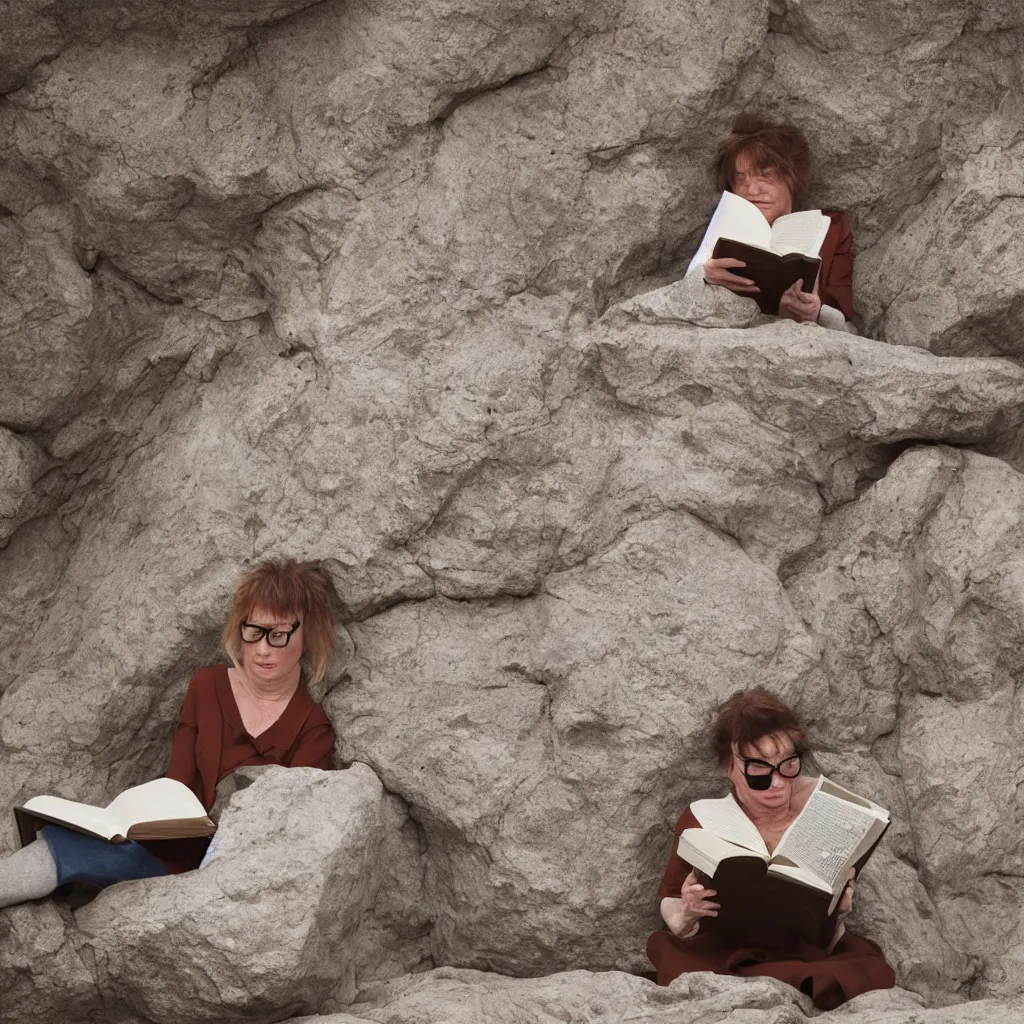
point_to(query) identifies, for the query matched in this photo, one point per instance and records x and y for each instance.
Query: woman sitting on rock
(755, 736)
(770, 166)
(257, 712)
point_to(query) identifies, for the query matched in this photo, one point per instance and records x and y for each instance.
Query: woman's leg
(95, 862)
(672, 957)
(28, 874)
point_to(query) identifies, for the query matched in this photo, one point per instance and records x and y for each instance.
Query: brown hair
(779, 146)
(285, 587)
(748, 716)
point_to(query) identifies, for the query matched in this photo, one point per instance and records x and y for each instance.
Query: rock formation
(392, 286)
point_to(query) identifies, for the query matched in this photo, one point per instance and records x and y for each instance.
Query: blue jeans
(82, 858)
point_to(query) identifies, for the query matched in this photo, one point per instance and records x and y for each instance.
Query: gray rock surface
(271, 921)
(450, 996)
(312, 889)
(903, 595)
(393, 286)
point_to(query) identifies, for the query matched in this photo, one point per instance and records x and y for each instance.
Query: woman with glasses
(258, 711)
(758, 741)
(769, 165)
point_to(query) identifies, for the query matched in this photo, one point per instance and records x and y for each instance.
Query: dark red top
(855, 965)
(210, 742)
(678, 869)
(837, 265)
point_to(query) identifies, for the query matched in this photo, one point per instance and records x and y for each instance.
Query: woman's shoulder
(840, 222)
(204, 678)
(686, 820)
(317, 715)
(691, 817)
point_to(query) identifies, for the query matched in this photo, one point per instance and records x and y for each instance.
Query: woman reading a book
(258, 711)
(769, 166)
(758, 741)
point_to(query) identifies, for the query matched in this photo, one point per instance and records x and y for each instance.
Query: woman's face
(264, 663)
(765, 189)
(773, 748)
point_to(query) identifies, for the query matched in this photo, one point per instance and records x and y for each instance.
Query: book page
(726, 819)
(704, 850)
(834, 789)
(799, 875)
(93, 819)
(802, 232)
(159, 800)
(734, 217)
(825, 837)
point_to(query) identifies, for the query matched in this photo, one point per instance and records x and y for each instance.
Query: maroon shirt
(855, 965)
(678, 870)
(836, 254)
(210, 742)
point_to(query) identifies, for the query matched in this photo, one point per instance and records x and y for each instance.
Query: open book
(775, 255)
(797, 888)
(161, 809)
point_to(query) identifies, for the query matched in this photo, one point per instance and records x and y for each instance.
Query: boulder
(450, 996)
(392, 286)
(21, 464)
(272, 923)
(547, 744)
(44, 975)
(902, 586)
(965, 244)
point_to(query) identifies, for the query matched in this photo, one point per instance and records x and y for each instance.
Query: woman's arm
(807, 307)
(837, 286)
(183, 765)
(845, 908)
(683, 915)
(684, 901)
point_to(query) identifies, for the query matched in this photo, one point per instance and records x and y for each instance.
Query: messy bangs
(779, 147)
(289, 590)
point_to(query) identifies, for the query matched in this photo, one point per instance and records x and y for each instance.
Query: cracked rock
(392, 286)
(275, 920)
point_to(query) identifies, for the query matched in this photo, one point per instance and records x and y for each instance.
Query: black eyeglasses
(276, 636)
(759, 773)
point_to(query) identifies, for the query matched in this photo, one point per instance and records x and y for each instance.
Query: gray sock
(28, 874)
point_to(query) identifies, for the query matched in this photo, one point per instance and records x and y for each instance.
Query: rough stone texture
(450, 996)
(967, 296)
(314, 884)
(390, 285)
(921, 588)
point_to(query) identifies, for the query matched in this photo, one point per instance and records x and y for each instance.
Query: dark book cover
(757, 908)
(28, 825)
(772, 273)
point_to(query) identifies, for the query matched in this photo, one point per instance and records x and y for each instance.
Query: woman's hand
(717, 272)
(846, 902)
(683, 913)
(798, 305)
(845, 908)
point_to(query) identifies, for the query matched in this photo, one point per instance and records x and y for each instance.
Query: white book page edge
(731, 212)
(726, 819)
(712, 848)
(798, 874)
(807, 228)
(159, 800)
(95, 819)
